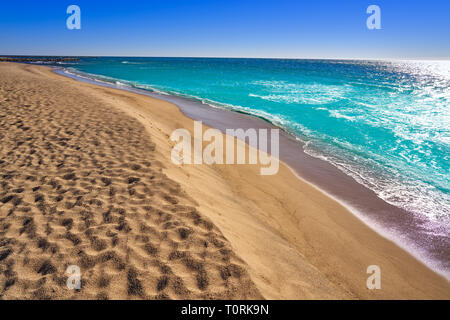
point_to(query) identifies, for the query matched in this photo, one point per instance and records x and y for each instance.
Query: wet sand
(170, 231)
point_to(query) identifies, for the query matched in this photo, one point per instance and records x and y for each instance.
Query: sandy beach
(87, 180)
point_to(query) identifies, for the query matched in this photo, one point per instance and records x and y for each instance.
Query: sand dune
(86, 179)
(80, 185)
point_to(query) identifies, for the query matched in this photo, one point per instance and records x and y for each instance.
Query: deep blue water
(387, 124)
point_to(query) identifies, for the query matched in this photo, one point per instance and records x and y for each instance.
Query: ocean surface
(384, 123)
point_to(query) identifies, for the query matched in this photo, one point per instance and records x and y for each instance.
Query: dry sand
(86, 179)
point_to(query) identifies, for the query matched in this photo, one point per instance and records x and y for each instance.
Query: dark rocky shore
(38, 59)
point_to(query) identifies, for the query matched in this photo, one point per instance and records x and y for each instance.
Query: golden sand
(87, 180)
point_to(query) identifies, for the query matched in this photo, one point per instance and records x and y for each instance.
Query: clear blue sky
(415, 29)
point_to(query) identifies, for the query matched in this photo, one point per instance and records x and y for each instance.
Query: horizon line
(231, 57)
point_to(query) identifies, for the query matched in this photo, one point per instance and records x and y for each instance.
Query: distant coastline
(37, 59)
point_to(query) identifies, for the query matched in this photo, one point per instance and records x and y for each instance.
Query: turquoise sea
(385, 123)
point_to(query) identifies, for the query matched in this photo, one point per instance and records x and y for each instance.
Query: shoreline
(292, 240)
(362, 202)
